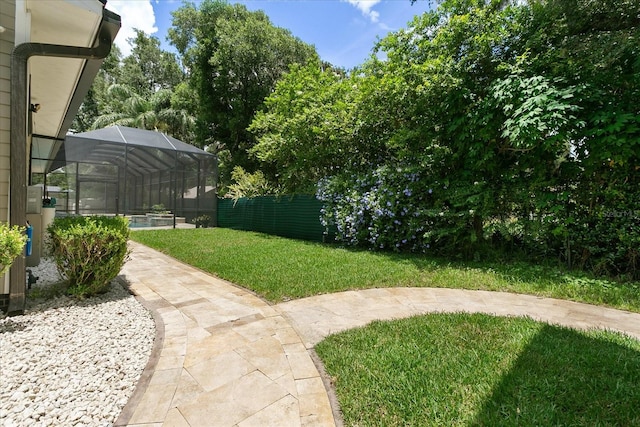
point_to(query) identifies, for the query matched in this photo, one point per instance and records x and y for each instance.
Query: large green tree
(149, 68)
(305, 130)
(596, 46)
(235, 57)
(487, 122)
(145, 89)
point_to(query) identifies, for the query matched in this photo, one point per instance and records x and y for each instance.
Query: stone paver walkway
(225, 357)
(316, 317)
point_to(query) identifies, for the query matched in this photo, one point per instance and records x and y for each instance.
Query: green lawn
(440, 369)
(480, 370)
(280, 269)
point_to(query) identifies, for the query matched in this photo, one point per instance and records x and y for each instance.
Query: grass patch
(440, 369)
(280, 269)
(476, 369)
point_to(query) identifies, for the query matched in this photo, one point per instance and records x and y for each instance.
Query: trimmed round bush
(89, 252)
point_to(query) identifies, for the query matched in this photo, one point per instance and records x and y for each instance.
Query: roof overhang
(59, 85)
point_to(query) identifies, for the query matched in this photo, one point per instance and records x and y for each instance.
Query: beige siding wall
(7, 37)
(7, 21)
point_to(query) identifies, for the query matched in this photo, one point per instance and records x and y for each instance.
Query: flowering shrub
(406, 209)
(394, 209)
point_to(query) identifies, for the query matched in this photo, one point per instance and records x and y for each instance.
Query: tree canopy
(149, 68)
(144, 90)
(486, 121)
(235, 57)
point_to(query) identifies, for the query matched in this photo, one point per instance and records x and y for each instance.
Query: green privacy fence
(297, 216)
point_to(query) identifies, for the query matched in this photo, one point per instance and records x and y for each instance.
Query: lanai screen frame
(184, 176)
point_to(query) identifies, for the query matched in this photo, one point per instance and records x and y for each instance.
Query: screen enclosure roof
(139, 151)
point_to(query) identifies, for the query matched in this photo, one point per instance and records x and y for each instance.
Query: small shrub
(12, 240)
(89, 251)
(202, 221)
(248, 185)
(159, 209)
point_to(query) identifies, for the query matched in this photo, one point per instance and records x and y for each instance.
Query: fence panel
(296, 217)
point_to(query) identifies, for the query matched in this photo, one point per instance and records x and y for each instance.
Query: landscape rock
(57, 356)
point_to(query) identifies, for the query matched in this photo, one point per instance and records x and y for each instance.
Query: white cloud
(366, 6)
(134, 14)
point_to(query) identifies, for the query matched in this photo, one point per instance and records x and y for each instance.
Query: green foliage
(12, 241)
(159, 209)
(235, 58)
(248, 184)
(305, 128)
(149, 68)
(89, 251)
(141, 90)
(521, 117)
(96, 98)
(153, 112)
(202, 221)
(538, 113)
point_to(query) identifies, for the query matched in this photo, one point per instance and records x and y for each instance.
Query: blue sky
(343, 31)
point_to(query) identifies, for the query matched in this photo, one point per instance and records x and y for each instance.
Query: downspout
(18, 134)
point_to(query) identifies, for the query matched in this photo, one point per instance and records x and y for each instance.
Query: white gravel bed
(70, 362)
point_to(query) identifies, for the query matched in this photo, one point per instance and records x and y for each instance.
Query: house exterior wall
(7, 40)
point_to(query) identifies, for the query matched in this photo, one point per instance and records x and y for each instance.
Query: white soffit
(53, 80)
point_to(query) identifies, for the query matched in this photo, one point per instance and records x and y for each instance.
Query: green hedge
(89, 251)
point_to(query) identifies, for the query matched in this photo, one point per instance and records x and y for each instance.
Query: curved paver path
(316, 317)
(225, 357)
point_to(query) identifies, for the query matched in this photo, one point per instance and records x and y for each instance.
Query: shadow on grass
(514, 268)
(513, 265)
(508, 265)
(481, 370)
(563, 377)
(513, 271)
